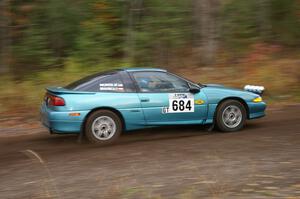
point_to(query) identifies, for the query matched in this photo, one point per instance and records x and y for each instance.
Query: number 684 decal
(180, 103)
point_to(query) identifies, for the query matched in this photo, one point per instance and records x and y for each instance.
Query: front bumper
(256, 110)
(61, 121)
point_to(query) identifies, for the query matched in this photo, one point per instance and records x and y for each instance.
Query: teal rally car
(104, 105)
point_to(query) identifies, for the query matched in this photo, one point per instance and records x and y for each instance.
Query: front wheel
(103, 127)
(231, 116)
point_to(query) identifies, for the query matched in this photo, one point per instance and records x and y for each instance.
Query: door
(166, 99)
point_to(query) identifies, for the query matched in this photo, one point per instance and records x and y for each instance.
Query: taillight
(54, 100)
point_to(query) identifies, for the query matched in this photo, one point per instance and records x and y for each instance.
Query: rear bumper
(256, 110)
(61, 121)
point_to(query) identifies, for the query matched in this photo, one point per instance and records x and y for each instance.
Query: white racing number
(180, 103)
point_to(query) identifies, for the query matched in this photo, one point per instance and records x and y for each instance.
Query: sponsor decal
(199, 101)
(111, 87)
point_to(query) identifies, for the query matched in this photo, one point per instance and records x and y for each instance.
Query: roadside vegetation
(230, 42)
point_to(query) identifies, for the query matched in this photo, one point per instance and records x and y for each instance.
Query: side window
(110, 82)
(160, 82)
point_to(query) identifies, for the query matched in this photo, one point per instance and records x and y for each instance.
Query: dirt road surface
(261, 161)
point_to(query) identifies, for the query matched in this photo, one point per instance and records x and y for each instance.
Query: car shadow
(143, 135)
(138, 136)
(163, 133)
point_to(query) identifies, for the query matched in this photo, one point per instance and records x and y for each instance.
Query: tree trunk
(206, 29)
(264, 19)
(5, 51)
(134, 12)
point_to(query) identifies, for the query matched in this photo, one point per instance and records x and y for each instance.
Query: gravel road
(261, 161)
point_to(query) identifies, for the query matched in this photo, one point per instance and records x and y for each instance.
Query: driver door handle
(145, 99)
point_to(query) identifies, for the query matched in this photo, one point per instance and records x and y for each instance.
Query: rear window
(101, 82)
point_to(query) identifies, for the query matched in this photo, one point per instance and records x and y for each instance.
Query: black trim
(137, 88)
(125, 75)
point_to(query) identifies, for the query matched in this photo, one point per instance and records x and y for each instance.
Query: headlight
(257, 99)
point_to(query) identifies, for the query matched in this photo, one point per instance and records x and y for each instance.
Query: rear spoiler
(61, 90)
(255, 89)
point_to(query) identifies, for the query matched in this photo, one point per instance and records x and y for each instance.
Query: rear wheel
(103, 127)
(231, 116)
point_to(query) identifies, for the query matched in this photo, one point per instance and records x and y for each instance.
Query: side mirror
(194, 89)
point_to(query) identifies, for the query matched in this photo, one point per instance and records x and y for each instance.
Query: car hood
(219, 88)
(222, 87)
(214, 85)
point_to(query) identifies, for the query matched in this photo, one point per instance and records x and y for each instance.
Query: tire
(230, 116)
(103, 127)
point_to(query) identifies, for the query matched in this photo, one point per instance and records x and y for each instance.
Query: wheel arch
(117, 112)
(242, 101)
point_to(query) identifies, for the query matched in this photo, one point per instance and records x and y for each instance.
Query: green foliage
(162, 27)
(93, 32)
(242, 21)
(61, 23)
(286, 21)
(100, 36)
(47, 33)
(73, 38)
(239, 24)
(32, 50)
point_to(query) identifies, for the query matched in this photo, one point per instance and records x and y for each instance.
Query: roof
(144, 69)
